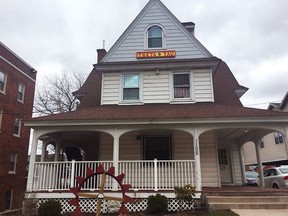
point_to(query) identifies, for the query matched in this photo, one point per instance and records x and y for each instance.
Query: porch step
(247, 202)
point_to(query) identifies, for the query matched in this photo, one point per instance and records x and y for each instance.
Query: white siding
(203, 87)
(110, 88)
(175, 38)
(236, 164)
(156, 87)
(209, 161)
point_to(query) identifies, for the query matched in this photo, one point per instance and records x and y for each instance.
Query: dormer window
(155, 37)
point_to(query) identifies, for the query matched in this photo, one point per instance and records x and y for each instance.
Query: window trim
(3, 91)
(14, 162)
(146, 38)
(23, 93)
(192, 96)
(1, 117)
(140, 87)
(19, 127)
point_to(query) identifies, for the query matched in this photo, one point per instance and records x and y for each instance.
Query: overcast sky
(250, 36)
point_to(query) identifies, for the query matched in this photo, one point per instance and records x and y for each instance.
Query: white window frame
(4, 83)
(188, 99)
(1, 116)
(14, 162)
(137, 101)
(21, 100)
(146, 47)
(19, 127)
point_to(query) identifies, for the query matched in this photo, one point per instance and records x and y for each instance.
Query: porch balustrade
(142, 175)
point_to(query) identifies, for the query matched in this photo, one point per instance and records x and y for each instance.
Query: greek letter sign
(156, 54)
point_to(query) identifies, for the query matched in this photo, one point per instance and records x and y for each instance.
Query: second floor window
(131, 87)
(12, 162)
(155, 37)
(17, 126)
(2, 81)
(8, 199)
(21, 91)
(181, 85)
(278, 138)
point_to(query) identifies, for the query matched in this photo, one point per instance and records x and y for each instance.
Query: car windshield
(251, 175)
(284, 170)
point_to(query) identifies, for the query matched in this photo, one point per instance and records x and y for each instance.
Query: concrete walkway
(261, 212)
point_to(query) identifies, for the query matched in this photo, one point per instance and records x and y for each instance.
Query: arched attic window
(155, 37)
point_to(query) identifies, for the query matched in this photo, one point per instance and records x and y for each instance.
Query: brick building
(17, 85)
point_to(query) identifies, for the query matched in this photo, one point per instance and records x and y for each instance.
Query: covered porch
(191, 154)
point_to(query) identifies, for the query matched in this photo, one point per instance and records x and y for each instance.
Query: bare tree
(55, 94)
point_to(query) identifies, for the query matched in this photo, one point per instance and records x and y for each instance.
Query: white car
(276, 177)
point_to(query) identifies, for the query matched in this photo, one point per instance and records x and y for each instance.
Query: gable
(176, 37)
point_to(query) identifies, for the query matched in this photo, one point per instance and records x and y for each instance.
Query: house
(273, 148)
(17, 84)
(158, 107)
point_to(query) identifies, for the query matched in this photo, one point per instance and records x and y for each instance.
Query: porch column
(286, 139)
(197, 161)
(57, 150)
(259, 162)
(116, 155)
(241, 152)
(32, 161)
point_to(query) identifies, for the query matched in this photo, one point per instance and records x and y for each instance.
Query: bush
(50, 208)
(157, 204)
(185, 195)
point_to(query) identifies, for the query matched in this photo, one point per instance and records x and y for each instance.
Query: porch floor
(243, 190)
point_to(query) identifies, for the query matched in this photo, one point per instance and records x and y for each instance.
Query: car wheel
(275, 186)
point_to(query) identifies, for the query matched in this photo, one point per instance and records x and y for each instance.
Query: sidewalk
(261, 212)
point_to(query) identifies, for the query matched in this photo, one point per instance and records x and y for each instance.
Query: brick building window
(278, 138)
(17, 127)
(21, 92)
(8, 199)
(12, 163)
(3, 80)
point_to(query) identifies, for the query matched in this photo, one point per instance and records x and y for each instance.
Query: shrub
(50, 208)
(157, 204)
(185, 194)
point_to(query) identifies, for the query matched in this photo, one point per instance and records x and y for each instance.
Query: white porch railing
(142, 175)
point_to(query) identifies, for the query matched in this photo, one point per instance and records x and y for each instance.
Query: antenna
(103, 44)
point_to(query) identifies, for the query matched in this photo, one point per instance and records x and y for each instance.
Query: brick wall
(8, 142)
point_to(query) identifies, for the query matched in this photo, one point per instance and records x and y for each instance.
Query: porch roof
(197, 111)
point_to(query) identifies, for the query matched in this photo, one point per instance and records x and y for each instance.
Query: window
(155, 37)
(262, 144)
(8, 199)
(278, 138)
(3, 79)
(17, 127)
(131, 87)
(21, 91)
(157, 147)
(12, 162)
(181, 85)
(223, 157)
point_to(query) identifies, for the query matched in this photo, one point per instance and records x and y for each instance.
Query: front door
(225, 166)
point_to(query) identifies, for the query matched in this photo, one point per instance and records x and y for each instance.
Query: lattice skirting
(89, 205)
